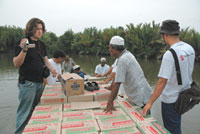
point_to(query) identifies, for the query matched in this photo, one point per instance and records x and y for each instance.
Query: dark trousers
(171, 119)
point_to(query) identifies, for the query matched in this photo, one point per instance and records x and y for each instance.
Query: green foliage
(143, 40)
(9, 36)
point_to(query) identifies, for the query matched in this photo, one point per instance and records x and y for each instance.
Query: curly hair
(31, 26)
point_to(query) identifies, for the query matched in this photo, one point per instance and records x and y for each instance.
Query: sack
(46, 72)
(187, 99)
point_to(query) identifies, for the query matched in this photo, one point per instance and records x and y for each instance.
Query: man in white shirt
(167, 85)
(129, 74)
(56, 61)
(101, 68)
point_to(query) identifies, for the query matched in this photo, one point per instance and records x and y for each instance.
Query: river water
(9, 91)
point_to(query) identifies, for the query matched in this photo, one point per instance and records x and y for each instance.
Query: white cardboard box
(53, 98)
(126, 130)
(39, 109)
(152, 127)
(43, 128)
(90, 126)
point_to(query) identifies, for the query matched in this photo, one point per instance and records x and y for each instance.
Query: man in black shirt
(30, 60)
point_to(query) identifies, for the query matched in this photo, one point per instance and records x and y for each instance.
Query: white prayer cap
(117, 40)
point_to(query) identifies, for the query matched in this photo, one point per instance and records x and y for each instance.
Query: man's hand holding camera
(24, 45)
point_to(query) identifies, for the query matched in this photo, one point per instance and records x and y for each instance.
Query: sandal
(95, 85)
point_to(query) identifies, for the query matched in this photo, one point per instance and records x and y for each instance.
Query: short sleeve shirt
(32, 68)
(186, 57)
(52, 80)
(130, 74)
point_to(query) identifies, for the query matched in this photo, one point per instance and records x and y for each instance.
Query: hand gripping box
(152, 127)
(126, 130)
(89, 126)
(72, 84)
(54, 128)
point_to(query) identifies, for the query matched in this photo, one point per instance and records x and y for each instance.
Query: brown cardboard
(72, 83)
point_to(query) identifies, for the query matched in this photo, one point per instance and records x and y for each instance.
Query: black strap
(178, 71)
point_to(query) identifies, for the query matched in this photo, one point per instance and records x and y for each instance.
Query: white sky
(61, 15)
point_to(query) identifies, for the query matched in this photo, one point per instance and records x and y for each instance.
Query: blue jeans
(171, 119)
(29, 96)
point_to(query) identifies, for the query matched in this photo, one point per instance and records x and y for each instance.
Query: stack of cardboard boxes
(54, 116)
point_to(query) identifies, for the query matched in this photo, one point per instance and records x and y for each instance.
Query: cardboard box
(78, 118)
(85, 105)
(152, 127)
(102, 94)
(40, 109)
(67, 107)
(100, 112)
(58, 85)
(43, 129)
(87, 96)
(78, 115)
(53, 90)
(46, 116)
(103, 104)
(45, 121)
(136, 116)
(96, 78)
(80, 124)
(104, 85)
(83, 130)
(73, 84)
(53, 98)
(127, 130)
(115, 124)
